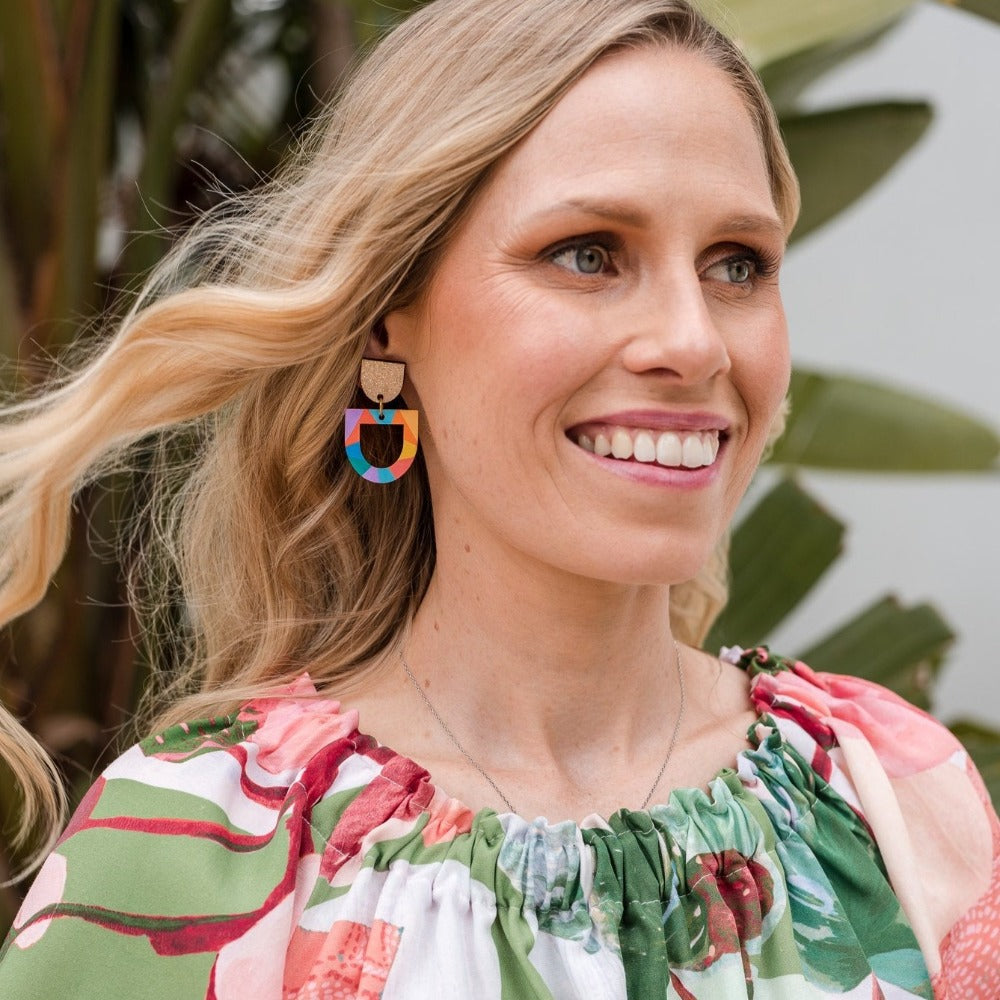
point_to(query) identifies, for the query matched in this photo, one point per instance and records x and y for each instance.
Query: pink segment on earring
(354, 420)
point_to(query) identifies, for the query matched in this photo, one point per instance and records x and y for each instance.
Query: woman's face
(602, 348)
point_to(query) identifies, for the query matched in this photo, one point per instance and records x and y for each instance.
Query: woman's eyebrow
(613, 211)
(766, 225)
(627, 213)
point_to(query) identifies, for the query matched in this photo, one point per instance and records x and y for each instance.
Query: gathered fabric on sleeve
(926, 804)
(281, 854)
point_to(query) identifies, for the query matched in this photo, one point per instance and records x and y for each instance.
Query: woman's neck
(564, 667)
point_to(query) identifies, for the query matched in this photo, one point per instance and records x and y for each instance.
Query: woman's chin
(669, 565)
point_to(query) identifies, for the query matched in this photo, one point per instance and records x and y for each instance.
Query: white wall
(906, 287)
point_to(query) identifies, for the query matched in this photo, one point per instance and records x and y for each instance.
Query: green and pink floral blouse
(280, 853)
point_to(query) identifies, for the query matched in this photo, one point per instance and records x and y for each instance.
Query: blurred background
(900, 285)
(869, 544)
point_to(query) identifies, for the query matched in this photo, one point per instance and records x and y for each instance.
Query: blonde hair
(243, 350)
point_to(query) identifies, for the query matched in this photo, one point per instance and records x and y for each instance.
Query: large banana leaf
(778, 552)
(787, 78)
(839, 422)
(58, 65)
(984, 746)
(202, 33)
(31, 92)
(372, 17)
(78, 181)
(769, 30)
(893, 645)
(990, 9)
(840, 154)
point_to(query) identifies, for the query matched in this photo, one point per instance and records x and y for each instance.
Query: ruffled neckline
(714, 798)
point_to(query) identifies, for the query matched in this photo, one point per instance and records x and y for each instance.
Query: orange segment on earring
(355, 419)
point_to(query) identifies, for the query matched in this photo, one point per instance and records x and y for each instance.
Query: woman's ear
(378, 340)
(393, 336)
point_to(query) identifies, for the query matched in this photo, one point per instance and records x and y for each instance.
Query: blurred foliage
(121, 120)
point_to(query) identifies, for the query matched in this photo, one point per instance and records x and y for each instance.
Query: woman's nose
(676, 334)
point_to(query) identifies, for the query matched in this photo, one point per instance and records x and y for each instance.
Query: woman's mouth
(669, 449)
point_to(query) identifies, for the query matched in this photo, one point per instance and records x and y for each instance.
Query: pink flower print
(351, 961)
(292, 730)
(252, 957)
(905, 739)
(446, 820)
(730, 895)
(47, 890)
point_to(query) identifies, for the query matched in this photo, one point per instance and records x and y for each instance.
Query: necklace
(496, 788)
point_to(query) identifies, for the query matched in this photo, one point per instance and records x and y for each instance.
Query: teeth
(645, 449)
(621, 444)
(668, 449)
(693, 455)
(672, 449)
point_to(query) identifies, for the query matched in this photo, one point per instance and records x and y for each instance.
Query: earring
(380, 381)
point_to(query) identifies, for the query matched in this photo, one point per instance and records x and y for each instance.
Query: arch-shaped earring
(381, 381)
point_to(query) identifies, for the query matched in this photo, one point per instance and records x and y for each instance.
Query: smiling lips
(671, 449)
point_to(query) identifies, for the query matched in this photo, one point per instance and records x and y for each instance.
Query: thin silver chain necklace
(496, 788)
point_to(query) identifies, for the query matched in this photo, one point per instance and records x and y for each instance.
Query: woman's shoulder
(881, 752)
(835, 709)
(918, 790)
(201, 841)
(234, 765)
(292, 754)
(871, 733)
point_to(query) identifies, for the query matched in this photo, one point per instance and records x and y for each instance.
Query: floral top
(279, 853)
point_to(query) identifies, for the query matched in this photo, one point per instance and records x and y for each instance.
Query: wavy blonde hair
(244, 348)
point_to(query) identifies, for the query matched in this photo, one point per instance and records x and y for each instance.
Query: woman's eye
(734, 270)
(739, 271)
(745, 268)
(583, 258)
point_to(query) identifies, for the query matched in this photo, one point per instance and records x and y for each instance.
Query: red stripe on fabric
(181, 828)
(402, 790)
(83, 812)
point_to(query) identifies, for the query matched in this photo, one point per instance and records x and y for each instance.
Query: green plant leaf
(778, 552)
(75, 291)
(787, 78)
(10, 308)
(840, 422)
(201, 36)
(32, 106)
(898, 647)
(372, 18)
(983, 745)
(840, 154)
(990, 9)
(768, 30)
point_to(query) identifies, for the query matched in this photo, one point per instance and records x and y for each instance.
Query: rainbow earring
(380, 381)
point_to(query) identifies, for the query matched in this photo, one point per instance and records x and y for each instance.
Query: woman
(565, 219)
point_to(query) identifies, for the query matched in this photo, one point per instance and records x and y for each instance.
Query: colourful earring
(380, 381)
